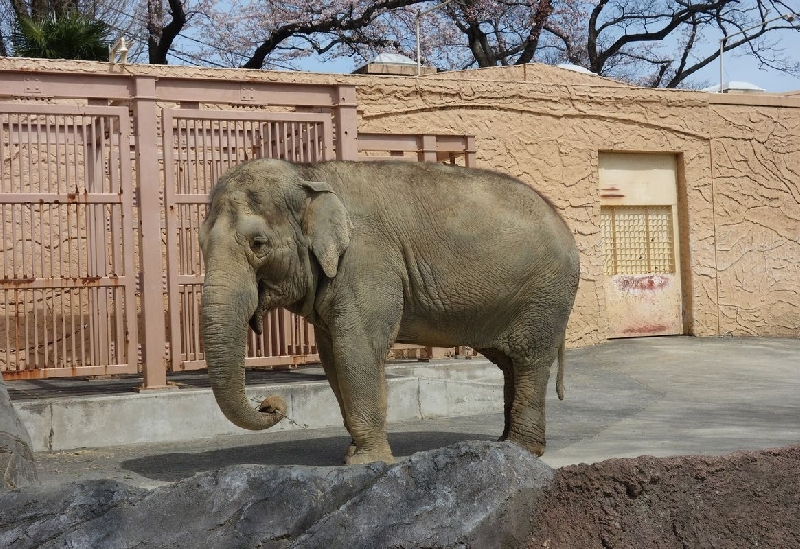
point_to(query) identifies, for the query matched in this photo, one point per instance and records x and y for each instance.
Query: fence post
(427, 148)
(346, 120)
(469, 151)
(154, 364)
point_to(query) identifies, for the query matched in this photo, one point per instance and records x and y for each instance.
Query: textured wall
(757, 203)
(739, 170)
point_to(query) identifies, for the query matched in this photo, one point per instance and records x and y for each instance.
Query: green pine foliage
(69, 36)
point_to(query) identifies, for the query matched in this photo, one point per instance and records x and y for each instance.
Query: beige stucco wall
(756, 176)
(739, 180)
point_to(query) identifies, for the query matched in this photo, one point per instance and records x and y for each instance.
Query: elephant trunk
(225, 311)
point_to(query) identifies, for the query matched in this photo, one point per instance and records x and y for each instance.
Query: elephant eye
(259, 243)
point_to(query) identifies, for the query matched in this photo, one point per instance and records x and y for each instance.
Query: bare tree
(272, 34)
(659, 43)
(662, 43)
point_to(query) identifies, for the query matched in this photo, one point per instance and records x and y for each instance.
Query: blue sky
(739, 66)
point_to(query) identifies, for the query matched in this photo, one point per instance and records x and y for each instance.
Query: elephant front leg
(360, 356)
(326, 357)
(367, 421)
(362, 383)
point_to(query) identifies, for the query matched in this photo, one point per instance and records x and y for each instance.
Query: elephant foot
(355, 456)
(535, 448)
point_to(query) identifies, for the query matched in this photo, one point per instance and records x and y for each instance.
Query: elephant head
(268, 238)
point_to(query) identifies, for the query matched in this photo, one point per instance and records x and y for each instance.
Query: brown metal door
(638, 194)
(68, 304)
(198, 147)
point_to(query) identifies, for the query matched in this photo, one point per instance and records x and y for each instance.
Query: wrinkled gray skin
(377, 253)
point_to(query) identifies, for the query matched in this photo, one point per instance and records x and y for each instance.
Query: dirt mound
(745, 499)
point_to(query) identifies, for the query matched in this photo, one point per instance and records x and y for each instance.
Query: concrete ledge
(454, 388)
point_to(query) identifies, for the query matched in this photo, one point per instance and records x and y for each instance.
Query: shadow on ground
(329, 451)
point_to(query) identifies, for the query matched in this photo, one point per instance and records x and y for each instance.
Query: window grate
(637, 239)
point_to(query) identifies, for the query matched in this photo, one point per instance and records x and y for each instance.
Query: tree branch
(158, 54)
(543, 12)
(333, 23)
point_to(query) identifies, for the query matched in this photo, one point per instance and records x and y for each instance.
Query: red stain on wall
(642, 283)
(646, 329)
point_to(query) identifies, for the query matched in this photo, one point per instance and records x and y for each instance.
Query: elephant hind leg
(524, 392)
(502, 361)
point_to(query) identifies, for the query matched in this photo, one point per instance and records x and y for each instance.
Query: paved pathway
(658, 396)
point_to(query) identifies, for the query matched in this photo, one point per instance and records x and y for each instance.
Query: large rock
(474, 494)
(16, 458)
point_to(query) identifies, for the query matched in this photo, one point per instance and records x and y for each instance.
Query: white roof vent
(575, 68)
(394, 58)
(394, 64)
(735, 86)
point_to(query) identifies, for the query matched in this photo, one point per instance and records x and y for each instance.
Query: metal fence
(104, 181)
(68, 286)
(200, 147)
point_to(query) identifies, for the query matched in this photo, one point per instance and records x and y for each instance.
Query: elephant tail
(560, 374)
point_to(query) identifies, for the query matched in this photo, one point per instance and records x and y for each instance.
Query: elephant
(377, 252)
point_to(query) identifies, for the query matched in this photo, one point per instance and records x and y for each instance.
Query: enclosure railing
(454, 149)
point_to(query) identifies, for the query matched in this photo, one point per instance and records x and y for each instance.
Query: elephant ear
(326, 226)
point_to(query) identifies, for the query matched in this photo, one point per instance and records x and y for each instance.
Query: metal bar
(59, 198)
(4, 121)
(268, 139)
(95, 244)
(177, 90)
(17, 345)
(68, 85)
(346, 120)
(227, 91)
(115, 183)
(147, 171)
(427, 148)
(28, 170)
(129, 333)
(7, 348)
(63, 242)
(67, 371)
(171, 177)
(196, 294)
(14, 263)
(388, 142)
(470, 153)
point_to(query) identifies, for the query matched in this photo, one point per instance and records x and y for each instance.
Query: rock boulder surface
(465, 495)
(16, 458)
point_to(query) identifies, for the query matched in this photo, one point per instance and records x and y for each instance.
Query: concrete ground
(660, 396)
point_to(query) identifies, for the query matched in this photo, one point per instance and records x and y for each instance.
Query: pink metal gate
(199, 145)
(68, 285)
